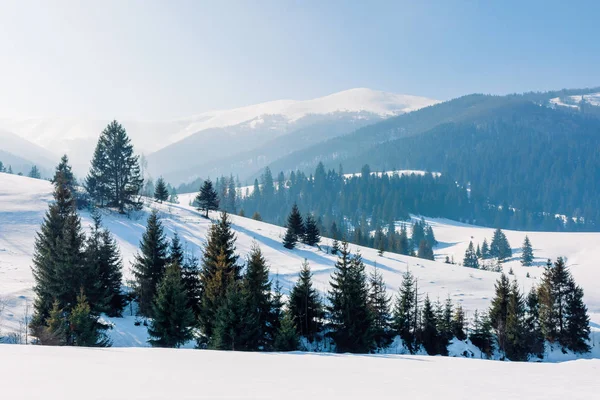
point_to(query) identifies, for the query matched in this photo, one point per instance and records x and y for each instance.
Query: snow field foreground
(23, 202)
(189, 374)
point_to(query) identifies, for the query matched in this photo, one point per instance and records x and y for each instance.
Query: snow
(75, 373)
(23, 202)
(574, 101)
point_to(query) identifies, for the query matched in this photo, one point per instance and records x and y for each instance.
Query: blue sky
(167, 59)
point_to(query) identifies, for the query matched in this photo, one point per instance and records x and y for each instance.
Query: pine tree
(481, 335)
(103, 258)
(295, 228)
(499, 310)
(577, 322)
(233, 324)
(286, 337)
(516, 336)
(257, 295)
(429, 336)
(526, 253)
(114, 179)
(379, 302)
(470, 259)
(478, 252)
(85, 329)
(304, 304)
(34, 173)
(547, 312)
(535, 339)
(311, 234)
(485, 250)
(430, 237)
(219, 271)
(161, 193)
(458, 323)
(64, 169)
(425, 251)
(207, 199)
(190, 277)
(149, 264)
(500, 248)
(173, 320)
(418, 233)
(404, 313)
(349, 314)
(59, 269)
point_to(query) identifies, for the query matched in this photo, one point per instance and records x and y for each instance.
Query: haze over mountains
(236, 130)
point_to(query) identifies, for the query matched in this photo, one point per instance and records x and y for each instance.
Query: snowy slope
(575, 101)
(23, 202)
(190, 374)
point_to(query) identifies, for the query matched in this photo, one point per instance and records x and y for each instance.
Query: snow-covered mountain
(250, 126)
(592, 99)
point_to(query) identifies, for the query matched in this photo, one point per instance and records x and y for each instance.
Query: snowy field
(23, 202)
(189, 374)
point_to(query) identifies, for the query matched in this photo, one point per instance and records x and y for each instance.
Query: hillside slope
(23, 202)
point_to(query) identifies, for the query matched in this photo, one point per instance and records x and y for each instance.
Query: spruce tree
(311, 234)
(257, 295)
(207, 199)
(485, 250)
(256, 216)
(85, 329)
(470, 259)
(233, 324)
(430, 237)
(499, 310)
(458, 323)
(64, 169)
(218, 271)
(102, 256)
(429, 336)
(526, 253)
(535, 339)
(404, 313)
(114, 179)
(418, 233)
(425, 251)
(59, 269)
(161, 193)
(500, 248)
(379, 302)
(304, 304)
(149, 264)
(481, 335)
(286, 337)
(349, 313)
(547, 312)
(516, 336)
(577, 322)
(173, 320)
(34, 173)
(190, 276)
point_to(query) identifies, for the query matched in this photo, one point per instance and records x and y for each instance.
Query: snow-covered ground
(23, 202)
(76, 373)
(574, 101)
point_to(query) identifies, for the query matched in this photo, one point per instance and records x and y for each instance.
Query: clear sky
(166, 59)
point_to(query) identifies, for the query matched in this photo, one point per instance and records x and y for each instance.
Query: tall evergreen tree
(173, 320)
(500, 248)
(458, 323)
(114, 179)
(535, 339)
(485, 250)
(257, 295)
(64, 169)
(425, 251)
(304, 304)
(161, 193)
(149, 264)
(577, 322)
(379, 302)
(526, 253)
(405, 312)
(470, 259)
(516, 336)
(219, 270)
(499, 310)
(311, 235)
(481, 335)
(207, 199)
(59, 269)
(295, 228)
(349, 313)
(429, 335)
(430, 237)
(233, 324)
